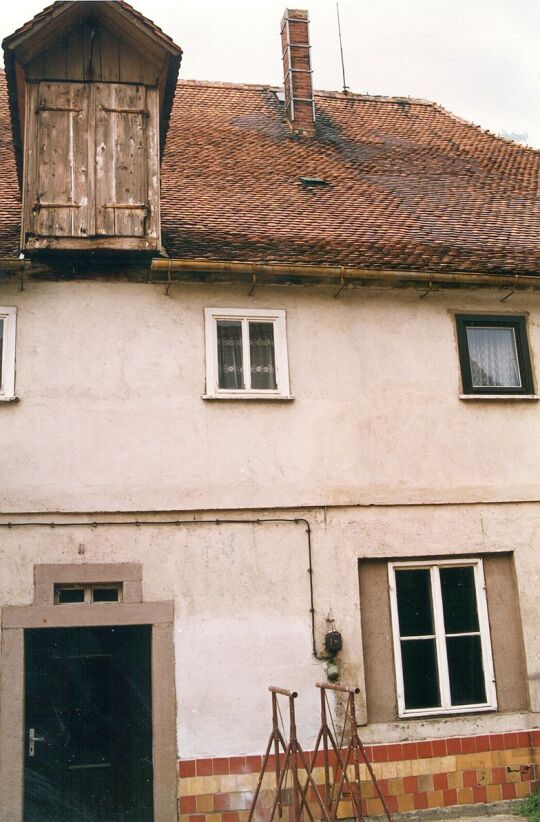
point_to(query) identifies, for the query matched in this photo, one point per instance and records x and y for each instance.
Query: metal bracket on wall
(341, 287)
(168, 279)
(425, 293)
(513, 291)
(254, 283)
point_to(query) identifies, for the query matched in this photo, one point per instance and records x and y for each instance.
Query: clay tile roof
(10, 200)
(408, 185)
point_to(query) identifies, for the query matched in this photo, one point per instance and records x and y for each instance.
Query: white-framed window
(8, 319)
(246, 354)
(442, 647)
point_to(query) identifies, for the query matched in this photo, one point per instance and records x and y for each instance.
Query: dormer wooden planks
(91, 52)
(125, 167)
(91, 89)
(56, 201)
(92, 167)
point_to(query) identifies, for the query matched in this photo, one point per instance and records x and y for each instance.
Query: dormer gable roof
(55, 23)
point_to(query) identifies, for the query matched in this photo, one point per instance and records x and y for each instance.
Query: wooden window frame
(446, 707)
(88, 591)
(275, 316)
(518, 324)
(7, 381)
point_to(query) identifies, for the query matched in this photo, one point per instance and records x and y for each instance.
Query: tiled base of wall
(412, 776)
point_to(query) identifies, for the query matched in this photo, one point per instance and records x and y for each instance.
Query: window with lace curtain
(246, 354)
(494, 355)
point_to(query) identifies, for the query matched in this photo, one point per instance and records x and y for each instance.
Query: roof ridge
(346, 95)
(227, 84)
(353, 95)
(482, 130)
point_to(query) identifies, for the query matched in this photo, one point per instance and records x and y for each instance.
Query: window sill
(514, 397)
(9, 399)
(250, 396)
(444, 712)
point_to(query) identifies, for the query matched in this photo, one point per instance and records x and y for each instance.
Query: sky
(480, 59)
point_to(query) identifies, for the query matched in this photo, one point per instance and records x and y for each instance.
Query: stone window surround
(44, 614)
(129, 574)
(511, 677)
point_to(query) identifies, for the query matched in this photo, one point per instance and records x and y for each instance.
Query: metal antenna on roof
(345, 86)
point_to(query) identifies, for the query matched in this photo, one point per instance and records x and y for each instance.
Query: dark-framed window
(494, 354)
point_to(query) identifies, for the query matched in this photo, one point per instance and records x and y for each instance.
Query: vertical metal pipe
(324, 725)
(275, 731)
(293, 742)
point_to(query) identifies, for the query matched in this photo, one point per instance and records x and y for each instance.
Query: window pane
(414, 602)
(261, 350)
(459, 600)
(69, 595)
(1, 349)
(467, 686)
(229, 343)
(493, 357)
(105, 595)
(420, 676)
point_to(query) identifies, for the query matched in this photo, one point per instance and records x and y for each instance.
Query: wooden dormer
(91, 88)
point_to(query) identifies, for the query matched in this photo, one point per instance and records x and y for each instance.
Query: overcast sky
(478, 58)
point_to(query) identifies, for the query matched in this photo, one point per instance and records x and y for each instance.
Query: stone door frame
(44, 614)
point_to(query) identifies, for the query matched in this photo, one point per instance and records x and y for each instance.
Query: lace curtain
(493, 357)
(231, 364)
(261, 351)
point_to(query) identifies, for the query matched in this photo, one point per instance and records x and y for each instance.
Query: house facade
(269, 372)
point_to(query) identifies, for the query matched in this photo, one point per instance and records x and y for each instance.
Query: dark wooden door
(88, 740)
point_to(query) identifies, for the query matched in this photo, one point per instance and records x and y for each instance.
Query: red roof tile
(409, 185)
(10, 200)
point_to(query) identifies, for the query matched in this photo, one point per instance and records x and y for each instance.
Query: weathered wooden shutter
(126, 161)
(57, 171)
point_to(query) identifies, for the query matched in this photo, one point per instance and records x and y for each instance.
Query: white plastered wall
(111, 375)
(377, 451)
(241, 596)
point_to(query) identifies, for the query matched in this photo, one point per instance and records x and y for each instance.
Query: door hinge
(39, 205)
(142, 111)
(131, 206)
(43, 107)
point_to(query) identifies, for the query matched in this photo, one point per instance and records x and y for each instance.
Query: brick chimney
(299, 102)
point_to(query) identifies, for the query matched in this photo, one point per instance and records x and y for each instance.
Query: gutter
(288, 273)
(340, 274)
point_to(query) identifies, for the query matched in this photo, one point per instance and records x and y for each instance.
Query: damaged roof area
(407, 185)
